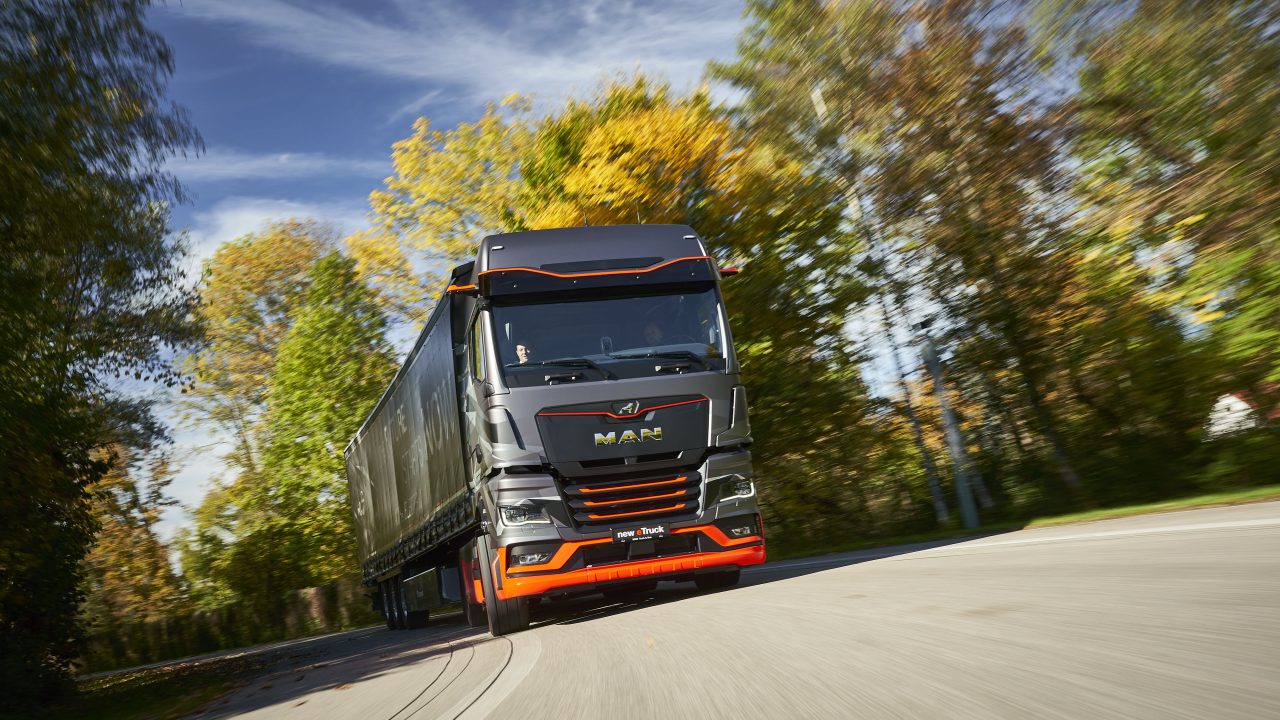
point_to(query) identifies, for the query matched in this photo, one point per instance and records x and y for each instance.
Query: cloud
(547, 48)
(233, 217)
(222, 164)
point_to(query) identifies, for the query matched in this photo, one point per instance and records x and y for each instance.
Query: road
(1175, 615)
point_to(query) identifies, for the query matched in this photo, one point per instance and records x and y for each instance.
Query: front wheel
(505, 616)
(718, 580)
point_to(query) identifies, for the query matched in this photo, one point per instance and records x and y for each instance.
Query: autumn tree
(130, 576)
(250, 288)
(286, 524)
(448, 188)
(91, 292)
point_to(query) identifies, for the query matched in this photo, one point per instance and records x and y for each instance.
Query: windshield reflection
(611, 331)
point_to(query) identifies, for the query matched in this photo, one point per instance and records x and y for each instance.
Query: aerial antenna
(583, 208)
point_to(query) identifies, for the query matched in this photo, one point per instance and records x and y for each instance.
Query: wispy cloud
(547, 48)
(226, 164)
(233, 217)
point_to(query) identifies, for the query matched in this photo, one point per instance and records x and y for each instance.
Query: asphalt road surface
(1174, 615)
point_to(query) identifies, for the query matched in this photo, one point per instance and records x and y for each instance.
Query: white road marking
(1158, 530)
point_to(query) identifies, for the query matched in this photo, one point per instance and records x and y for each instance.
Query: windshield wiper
(673, 354)
(569, 362)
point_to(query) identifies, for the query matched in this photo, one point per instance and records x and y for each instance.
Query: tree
(90, 291)
(286, 524)
(129, 573)
(449, 188)
(334, 365)
(922, 113)
(1179, 142)
(251, 286)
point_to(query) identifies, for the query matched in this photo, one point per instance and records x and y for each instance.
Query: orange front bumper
(513, 587)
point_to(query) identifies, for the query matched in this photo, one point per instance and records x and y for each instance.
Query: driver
(653, 334)
(524, 351)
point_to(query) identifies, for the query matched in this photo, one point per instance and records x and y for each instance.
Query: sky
(299, 102)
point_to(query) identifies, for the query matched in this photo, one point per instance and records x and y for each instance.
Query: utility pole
(926, 456)
(955, 443)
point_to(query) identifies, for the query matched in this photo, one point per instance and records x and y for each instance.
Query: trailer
(569, 421)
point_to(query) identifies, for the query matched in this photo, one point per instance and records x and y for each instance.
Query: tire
(390, 612)
(504, 616)
(718, 580)
(472, 609)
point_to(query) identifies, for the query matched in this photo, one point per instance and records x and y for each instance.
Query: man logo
(628, 408)
(629, 436)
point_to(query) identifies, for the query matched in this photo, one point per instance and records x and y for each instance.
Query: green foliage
(286, 524)
(90, 294)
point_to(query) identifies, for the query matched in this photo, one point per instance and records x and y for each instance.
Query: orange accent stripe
(479, 591)
(459, 288)
(617, 488)
(638, 413)
(590, 503)
(567, 549)
(536, 584)
(633, 271)
(677, 506)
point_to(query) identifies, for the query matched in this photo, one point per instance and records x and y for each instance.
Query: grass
(163, 693)
(1232, 497)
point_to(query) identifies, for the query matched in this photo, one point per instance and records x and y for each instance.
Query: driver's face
(652, 334)
(524, 353)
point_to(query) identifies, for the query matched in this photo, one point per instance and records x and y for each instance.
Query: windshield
(600, 338)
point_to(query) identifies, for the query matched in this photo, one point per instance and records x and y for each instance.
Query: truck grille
(597, 503)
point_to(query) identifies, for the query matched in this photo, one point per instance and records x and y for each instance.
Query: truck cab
(608, 427)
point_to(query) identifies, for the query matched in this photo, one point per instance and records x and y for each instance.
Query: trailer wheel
(390, 612)
(718, 580)
(504, 616)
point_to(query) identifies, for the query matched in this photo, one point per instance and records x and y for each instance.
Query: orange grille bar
(619, 488)
(677, 506)
(591, 503)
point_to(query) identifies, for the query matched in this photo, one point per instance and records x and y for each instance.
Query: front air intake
(596, 503)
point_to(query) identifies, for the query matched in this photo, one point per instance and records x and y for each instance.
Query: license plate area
(641, 533)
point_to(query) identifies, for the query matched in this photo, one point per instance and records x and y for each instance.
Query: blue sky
(299, 103)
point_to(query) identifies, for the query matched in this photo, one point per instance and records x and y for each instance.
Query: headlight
(524, 515)
(735, 487)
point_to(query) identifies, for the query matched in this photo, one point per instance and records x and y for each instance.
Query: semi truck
(569, 421)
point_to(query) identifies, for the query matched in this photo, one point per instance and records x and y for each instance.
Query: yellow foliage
(451, 185)
(641, 166)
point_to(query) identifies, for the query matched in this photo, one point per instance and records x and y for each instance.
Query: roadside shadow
(288, 678)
